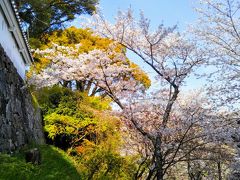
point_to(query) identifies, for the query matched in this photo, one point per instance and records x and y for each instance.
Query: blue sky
(168, 12)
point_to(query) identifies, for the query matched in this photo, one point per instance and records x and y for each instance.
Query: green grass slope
(55, 164)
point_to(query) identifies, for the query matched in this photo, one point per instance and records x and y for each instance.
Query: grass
(55, 164)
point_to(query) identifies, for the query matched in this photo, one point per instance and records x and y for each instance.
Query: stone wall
(20, 121)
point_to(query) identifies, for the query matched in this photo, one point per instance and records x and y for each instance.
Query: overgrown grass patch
(55, 164)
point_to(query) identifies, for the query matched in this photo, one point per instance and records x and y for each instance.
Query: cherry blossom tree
(107, 72)
(218, 31)
(173, 58)
(168, 54)
(193, 134)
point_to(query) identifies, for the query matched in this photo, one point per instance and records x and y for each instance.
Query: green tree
(43, 16)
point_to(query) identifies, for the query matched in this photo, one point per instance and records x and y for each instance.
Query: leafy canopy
(43, 16)
(70, 116)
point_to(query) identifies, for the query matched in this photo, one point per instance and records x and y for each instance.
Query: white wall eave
(14, 22)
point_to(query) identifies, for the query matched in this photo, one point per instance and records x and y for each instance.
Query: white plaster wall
(8, 43)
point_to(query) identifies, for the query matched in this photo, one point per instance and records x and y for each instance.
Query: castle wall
(20, 121)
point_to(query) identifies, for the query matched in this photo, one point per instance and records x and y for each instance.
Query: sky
(168, 12)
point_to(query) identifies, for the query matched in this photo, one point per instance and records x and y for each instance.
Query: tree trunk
(150, 174)
(70, 85)
(219, 170)
(170, 103)
(158, 158)
(65, 83)
(89, 85)
(80, 86)
(33, 156)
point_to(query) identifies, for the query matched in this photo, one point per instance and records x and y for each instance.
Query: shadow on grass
(55, 164)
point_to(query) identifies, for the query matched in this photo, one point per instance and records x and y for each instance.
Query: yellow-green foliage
(83, 126)
(140, 75)
(101, 159)
(75, 115)
(100, 162)
(85, 37)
